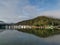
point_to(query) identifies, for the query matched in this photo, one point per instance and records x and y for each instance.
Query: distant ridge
(2, 22)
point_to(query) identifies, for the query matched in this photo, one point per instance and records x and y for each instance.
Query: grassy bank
(41, 32)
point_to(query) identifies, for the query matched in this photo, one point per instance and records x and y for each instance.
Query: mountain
(2, 22)
(40, 21)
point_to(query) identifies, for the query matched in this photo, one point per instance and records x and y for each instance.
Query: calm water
(14, 37)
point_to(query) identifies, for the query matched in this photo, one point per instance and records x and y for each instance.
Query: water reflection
(14, 37)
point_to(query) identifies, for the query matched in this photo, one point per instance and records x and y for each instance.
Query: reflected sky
(14, 37)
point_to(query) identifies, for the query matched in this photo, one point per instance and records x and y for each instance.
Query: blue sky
(18, 10)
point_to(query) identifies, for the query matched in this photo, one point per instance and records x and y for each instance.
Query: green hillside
(40, 21)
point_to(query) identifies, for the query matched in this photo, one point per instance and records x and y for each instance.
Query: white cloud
(52, 13)
(18, 10)
(9, 9)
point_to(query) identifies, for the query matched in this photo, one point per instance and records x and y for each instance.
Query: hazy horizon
(12, 11)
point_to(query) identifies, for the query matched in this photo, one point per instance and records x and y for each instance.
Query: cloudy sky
(18, 10)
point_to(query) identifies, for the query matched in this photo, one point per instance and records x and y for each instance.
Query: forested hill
(40, 21)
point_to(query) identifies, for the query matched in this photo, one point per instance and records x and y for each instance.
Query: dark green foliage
(40, 21)
(41, 32)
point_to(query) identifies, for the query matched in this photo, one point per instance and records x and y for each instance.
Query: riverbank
(41, 32)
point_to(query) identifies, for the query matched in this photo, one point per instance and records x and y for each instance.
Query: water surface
(14, 37)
